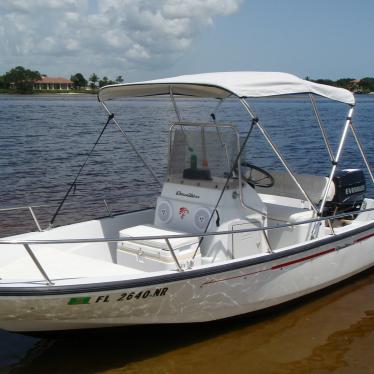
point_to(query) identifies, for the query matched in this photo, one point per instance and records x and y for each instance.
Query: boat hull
(216, 292)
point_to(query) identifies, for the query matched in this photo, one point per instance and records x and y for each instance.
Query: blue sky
(144, 39)
(319, 38)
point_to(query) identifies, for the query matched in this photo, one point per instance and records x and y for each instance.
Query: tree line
(94, 81)
(22, 80)
(364, 85)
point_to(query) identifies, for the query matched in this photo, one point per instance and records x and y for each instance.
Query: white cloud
(105, 35)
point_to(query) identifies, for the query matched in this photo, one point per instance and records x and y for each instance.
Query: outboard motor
(350, 188)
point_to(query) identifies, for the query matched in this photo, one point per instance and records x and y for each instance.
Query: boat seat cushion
(151, 230)
(284, 185)
(301, 216)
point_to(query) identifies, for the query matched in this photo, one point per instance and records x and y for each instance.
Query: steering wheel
(257, 176)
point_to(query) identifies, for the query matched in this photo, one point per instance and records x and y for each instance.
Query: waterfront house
(52, 83)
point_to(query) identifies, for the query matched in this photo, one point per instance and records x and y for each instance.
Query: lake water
(43, 142)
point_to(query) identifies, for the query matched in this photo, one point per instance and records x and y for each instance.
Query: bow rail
(167, 238)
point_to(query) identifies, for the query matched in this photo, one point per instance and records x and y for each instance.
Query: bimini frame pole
(213, 113)
(337, 157)
(323, 131)
(132, 146)
(73, 185)
(359, 145)
(279, 155)
(172, 98)
(333, 169)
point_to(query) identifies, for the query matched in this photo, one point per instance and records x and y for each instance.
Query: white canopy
(221, 85)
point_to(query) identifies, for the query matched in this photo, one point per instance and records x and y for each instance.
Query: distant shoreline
(11, 91)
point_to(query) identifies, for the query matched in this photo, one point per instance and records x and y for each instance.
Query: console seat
(154, 254)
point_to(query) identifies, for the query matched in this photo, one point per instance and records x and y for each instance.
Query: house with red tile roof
(52, 83)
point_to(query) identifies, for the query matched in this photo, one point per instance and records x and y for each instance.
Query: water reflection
(331, 331)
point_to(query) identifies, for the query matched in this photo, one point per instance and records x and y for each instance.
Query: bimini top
(221, 85)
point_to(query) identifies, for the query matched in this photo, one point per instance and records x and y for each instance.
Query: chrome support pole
(108, 209)
(133, 146)
(224, 146)
(73, 185)
(34, 218)
(240, 186)
(283, 161)
(333, 169)
(175, 104)
(323, 130)
(26, 207)
(331, 227)
(279, 155)
(267, 241)
(173, 254)
(359, 145)
(236, 162)
(337, 158)
(212, 114)
(37, 263)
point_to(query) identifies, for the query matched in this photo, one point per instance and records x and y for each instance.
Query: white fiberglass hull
(205, 294)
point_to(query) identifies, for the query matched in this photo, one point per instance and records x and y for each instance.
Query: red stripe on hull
(285, 264)
(302, 259)
(237, 276)
(364, 238)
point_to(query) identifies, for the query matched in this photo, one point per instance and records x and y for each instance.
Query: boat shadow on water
(322, 327)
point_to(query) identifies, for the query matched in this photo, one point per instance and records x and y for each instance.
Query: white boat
(225, 237)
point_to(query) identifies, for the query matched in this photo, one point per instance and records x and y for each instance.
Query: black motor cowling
(350, 188)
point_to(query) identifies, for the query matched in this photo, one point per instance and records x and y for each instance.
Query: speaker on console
(201, 218)
(164, 212)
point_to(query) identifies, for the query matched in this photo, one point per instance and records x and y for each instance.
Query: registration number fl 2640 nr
(123, 297)
(143, 294)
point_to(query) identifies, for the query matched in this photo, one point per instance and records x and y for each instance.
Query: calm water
(43, 142)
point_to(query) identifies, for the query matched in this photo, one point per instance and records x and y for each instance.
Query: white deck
(60, 265)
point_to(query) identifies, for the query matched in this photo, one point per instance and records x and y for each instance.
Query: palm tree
(93, 79)
(103, 82)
